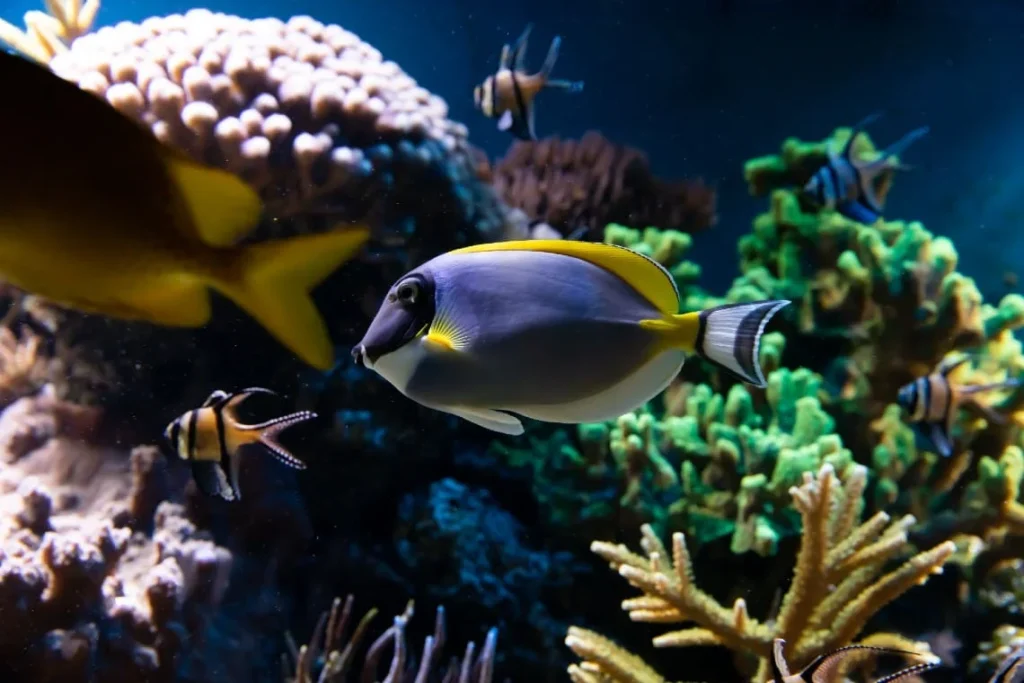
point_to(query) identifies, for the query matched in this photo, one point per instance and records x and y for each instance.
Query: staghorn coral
(49, 33)
(313, 117)
(101, 579)
(589, 183)
(838, 584)
(331, 655)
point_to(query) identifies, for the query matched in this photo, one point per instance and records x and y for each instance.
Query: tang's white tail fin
(730, 337)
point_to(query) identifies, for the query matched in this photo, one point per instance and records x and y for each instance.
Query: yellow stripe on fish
(642, 273)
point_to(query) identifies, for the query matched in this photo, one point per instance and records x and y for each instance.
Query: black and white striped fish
(509, 93)
(211, 438)
(827, 668)
(932, 403)
(851, 186)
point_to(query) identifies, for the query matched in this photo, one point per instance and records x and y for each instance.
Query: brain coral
(313, 117)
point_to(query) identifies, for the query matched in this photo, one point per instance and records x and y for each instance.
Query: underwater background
(808, 510)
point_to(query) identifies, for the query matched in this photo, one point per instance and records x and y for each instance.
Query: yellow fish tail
(273, 280)
(728, 336)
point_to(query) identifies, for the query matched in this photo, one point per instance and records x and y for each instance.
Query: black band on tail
(730, 337)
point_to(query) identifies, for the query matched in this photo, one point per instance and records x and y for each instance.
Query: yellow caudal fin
(224, 207)
(728, 336)
(273, 280)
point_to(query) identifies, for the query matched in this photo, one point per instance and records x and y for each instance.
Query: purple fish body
(545, 329)
(553, 330)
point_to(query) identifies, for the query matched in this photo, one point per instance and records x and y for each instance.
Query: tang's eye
(408, 292)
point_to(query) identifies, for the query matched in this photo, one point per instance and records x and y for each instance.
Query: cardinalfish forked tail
(932, 403)
(553, 330)
(212, 439)
(851, 186)
(828, 668)
(509, 93)
(116, 223)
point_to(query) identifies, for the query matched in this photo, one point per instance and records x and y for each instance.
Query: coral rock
(589, 183)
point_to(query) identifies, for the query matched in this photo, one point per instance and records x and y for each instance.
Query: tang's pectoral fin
(493, 420)
(210, 479)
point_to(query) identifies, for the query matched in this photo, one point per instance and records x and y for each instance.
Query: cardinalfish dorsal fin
(644, 274)
(218, 396)
(857, 129)
(517, 53)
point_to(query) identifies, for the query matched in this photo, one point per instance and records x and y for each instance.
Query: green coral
(725, 462)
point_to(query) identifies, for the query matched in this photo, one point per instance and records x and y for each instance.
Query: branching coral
(308, 113)
(49, 33)
(839, 583)
(589, 183)
(332, 653)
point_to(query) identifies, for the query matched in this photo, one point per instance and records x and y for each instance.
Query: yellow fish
(98, 215)
(211, 437)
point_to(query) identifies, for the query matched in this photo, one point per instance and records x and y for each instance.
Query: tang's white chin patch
(398, 366)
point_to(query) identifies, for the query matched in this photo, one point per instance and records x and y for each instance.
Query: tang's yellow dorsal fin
(224, 207)
(644, 274)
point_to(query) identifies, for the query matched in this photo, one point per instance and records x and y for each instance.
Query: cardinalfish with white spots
(829, 667)
(113, 222)
(932, 402)
(852, 186)
(212, 439)
(553, 330)
(509, 93)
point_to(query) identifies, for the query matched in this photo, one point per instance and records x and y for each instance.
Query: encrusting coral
(588, 183)
(333, 652)
(839, 583)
